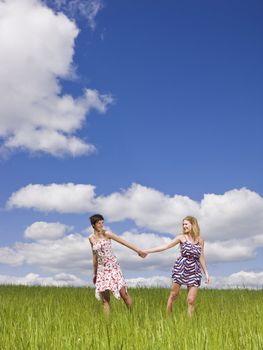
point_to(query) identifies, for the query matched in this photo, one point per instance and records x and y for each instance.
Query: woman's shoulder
(91, 238)
(107, 234)
(181, 238)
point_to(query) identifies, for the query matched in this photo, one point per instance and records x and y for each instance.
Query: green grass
(71, 318)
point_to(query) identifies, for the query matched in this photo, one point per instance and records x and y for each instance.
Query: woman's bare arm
(165, 246)
(94, 261)
(122, 241)
(202, 261)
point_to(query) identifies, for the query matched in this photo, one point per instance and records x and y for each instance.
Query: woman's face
(99, 225)
(187, 226)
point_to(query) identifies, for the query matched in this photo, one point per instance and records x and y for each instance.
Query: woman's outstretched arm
(164, 246)
(203, 263)
(95, 263)
(127, 244)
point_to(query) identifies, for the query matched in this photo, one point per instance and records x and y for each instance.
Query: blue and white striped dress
(187, 268)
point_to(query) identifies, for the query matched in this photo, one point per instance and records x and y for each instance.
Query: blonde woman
(187, 268)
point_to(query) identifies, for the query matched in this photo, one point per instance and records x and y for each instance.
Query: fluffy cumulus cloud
(32, 279)
(155, 281)
(68, 254)
(241, 279)
(235, 214)
(227, 221)
(37, 48)
(72, 252)
(46, 230)
(146, 206)
(10, 257)
(67, 198)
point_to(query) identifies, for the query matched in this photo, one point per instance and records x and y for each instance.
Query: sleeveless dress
(109, 275)
(187, 268)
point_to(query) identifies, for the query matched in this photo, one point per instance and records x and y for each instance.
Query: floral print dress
(109, 275)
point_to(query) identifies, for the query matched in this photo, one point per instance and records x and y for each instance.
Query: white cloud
(146, 206)
(130, 261)
(66, 198)
(150, 282)
(41, 230)
(231, 250)
(32, 279)
(234, 214)
(72, 253)
(241, 279)
(37, 48)
(224, 219)
(10, 256)
(68, 254)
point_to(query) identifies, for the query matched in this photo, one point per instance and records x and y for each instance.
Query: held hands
(142, 254)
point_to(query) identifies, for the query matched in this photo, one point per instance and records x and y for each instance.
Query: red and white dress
(109, 275)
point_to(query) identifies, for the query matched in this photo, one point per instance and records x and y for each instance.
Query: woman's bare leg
(191, 297)
(172, 297)
(126, 297)
(105, 296)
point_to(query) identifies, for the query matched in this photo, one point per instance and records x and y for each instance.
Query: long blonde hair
(195, 230)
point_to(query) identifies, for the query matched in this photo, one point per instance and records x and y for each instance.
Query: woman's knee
(173, 295)
(190, 300)
(125, 296)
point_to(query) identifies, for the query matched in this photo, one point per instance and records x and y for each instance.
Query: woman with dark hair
(107, 275)
(187, 268)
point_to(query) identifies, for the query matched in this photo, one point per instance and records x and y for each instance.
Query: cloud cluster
(37, 48)
(41, 230)
(228, 223)
(55, 253)
(72, 252)
(66, 198)
(241, 279)
(235, 214)
(32, 279)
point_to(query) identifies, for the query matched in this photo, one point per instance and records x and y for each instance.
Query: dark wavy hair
(95, 218)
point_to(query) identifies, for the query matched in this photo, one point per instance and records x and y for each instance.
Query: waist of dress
(107, 257)
(191, 258)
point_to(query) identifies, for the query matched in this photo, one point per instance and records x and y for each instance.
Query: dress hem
(116, 296)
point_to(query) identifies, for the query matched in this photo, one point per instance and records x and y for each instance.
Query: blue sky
(174, 117)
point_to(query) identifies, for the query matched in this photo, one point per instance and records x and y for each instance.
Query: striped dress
(187, 268)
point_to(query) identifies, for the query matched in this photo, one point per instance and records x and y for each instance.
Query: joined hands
(142, 254)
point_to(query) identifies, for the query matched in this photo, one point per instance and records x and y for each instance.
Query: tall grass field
(71, 318)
